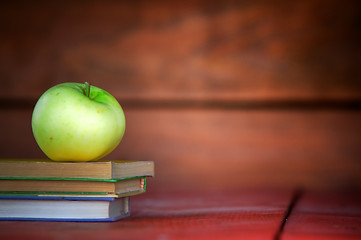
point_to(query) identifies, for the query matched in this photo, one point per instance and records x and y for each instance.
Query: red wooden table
(246, 214)
(325, 215)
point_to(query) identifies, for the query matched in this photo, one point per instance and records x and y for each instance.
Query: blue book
(51, 208)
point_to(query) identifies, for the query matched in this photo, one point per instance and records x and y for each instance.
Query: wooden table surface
(244, 214)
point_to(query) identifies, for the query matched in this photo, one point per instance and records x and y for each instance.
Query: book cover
(83, 170)
(72, 186)
(52, 208)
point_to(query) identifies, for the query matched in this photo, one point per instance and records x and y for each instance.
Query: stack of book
(70, 191)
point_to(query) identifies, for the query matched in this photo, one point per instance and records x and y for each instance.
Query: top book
(42, 168)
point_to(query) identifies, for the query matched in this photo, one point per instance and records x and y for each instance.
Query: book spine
(70, 198)
(113, 219)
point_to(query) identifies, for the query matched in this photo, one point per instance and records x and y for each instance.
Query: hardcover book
(89, 209)
(124, 187)
(42, 168)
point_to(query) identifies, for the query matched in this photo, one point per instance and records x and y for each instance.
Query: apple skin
(70, 126)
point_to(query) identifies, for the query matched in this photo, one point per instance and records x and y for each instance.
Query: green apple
(77, 122)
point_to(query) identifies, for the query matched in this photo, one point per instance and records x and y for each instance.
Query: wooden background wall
(220, 94)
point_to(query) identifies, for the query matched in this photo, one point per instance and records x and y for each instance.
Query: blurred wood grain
(220, 94)
(223, 149)
(225, 50)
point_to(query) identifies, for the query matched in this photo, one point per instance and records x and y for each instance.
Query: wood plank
(190, 50)
(217, 149)
(325, 215)
(341, 202)
(174, 215)
(232, 149)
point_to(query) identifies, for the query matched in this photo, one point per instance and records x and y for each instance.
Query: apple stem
(87, 89)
